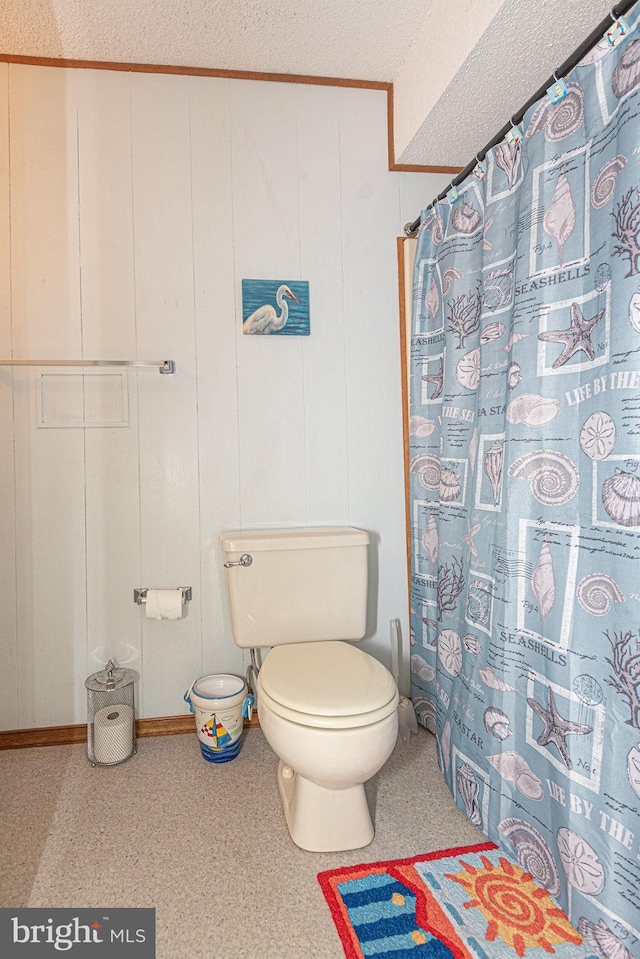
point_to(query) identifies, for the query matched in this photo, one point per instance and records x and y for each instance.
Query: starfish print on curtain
(576, 338)
(556, 728)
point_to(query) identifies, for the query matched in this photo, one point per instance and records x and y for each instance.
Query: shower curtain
(525, 494)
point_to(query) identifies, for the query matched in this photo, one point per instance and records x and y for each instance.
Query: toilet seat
(330, 685)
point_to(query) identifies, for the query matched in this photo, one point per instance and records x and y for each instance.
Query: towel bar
(164, 366)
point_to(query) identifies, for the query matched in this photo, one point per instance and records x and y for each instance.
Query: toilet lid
(327, 683)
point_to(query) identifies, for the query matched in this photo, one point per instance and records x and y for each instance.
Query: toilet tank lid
(306, 537)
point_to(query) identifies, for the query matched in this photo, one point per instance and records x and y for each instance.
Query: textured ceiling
(516, 54)
(460, 68)
(359, 39)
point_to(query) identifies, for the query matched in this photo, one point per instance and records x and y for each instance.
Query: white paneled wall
(8, 630)
(50, 514)
(112, 464)
(132, 206)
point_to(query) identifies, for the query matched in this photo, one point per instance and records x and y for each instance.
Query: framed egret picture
(275, 307)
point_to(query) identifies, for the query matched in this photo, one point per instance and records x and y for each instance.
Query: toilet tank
(303, 585)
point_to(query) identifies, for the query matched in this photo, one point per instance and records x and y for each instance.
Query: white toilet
(327, 709)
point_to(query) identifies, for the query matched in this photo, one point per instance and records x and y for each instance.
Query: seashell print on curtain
(525, 495)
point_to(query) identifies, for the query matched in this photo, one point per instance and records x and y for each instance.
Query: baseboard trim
(64, 735)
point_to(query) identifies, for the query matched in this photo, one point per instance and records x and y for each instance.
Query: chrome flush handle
(245, 560)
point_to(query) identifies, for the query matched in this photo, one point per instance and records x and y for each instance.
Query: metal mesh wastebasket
(111, 723)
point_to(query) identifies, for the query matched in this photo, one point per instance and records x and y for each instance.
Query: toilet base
(324, 820)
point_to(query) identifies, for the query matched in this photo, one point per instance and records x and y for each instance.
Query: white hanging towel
(164, 604)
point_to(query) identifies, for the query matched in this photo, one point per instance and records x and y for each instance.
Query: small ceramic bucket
(220, 703)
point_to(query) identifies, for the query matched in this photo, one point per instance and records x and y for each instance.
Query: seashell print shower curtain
(525, 495)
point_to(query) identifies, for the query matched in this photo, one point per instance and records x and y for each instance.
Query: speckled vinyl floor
(206, 845)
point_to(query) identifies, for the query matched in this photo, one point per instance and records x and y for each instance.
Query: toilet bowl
(329, 712)
(327, 709)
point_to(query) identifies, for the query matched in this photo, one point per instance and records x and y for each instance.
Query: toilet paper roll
(113, 733)
(164, 604)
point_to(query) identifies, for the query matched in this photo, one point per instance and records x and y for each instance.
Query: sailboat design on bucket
(219, 735)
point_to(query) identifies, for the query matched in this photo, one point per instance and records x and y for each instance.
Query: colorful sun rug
(471, 902)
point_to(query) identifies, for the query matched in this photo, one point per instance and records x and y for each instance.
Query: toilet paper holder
(140, 595)
(111, 722)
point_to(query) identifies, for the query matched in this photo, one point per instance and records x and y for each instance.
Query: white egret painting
(278, 307)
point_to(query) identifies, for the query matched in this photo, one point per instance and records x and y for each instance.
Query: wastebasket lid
(111, 677)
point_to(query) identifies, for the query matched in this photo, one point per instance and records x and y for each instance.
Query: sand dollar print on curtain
(525, 495)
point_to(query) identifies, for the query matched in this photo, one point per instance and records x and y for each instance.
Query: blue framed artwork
(279, 307)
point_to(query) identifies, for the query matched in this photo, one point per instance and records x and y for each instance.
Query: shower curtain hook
(558, 89)
(480, 168)
(514, 135)
(452, 192)
(619, 29)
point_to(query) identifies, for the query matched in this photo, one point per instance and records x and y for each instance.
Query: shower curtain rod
(594, 37)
